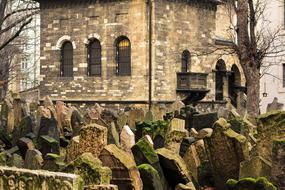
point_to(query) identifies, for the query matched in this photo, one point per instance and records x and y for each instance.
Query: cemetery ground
(58, 147)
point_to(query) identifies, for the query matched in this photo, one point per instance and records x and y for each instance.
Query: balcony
(193, 85)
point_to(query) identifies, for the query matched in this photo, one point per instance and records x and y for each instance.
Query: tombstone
(186, 142)
(274, 106)
(205, 120)
(205, 175)
(127, 138)
(124, 171)
(33, 159)
(189, 186)
(177, 105)
(18, 178)
(150, 177)
(52, 162)
(76, 122)
(175, 135)
(93, 114)
(278, 163)
(250, 183)
(135, 115)
(48, 127)
(90, 169)
(48, 145)
(92, 139)
(122, 121)
(73, 149)
(225, 149)
(174, 167)
(270, 127)
(25, 144)
(145, 154)
(113, 135)
(15, 160)
(255, 167)
(23, 128)
(203, 133)
(149, 116)
(192, 161)
(158, 142)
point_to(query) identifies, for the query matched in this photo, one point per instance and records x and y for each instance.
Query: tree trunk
(252, 75)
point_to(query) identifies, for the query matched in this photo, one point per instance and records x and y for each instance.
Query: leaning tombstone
(33, 159)
(127, 138)
(278, 163)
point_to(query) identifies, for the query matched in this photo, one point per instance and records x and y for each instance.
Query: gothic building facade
(136, 52)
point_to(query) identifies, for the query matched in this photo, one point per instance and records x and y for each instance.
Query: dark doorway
(234, 82)
(220, 73)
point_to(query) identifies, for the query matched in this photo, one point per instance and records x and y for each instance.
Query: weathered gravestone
(255, 167)
(144, 153)
(23, 128)
(250, 184)
(150, 177)
(175, 135)
(278, 164)
(127, 138)
(90, 169)
(33, 160)
(225, 149)
(205, 120)
(24, 179)
(48, 144)
(124, 171)
(135, 115)
(274, 106)
(92, 139)
(101, 187)
(174, 168)
(270, 126)
(25, 144)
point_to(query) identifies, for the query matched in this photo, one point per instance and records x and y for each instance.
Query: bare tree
(15, 16)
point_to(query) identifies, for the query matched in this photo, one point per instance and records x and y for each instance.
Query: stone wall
(78, 22)
(177, 26)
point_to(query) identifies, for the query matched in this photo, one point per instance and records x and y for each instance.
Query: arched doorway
(220, 73)
(234, 82)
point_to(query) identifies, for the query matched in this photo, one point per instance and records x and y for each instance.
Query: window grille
(94, 58)
(67, 60)
(123, 53)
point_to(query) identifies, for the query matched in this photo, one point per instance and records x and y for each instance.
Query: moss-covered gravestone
(90, 169)
(125, 173)
(278, 163)
(174, 168)
(250, 184)
(225, 149)
(48, 145)
(271, 126)
(144, 153)
(150, 177)
(255, 167)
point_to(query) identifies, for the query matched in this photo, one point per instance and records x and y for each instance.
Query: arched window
(123, 56)
(185, 61)
(234, 82)
(66, 60)
(94, 58)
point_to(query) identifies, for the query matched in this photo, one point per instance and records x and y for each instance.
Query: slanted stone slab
(225, 149)
(90, 169)
(135, 115)
(174, 168)
(124, 171)
(33, 160)
(144, 153)
(255, 167)
(25, 144)
(127, 138)
(48, 144)
(278, 164)
(72, 150)
(175, 135)
(205, 120)
(22, 129)
(150, 177)
(16, 178)
(271, 126)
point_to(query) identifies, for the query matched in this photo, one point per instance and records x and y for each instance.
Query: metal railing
(191, 81)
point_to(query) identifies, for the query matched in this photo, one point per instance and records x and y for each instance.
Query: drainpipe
(149, 3)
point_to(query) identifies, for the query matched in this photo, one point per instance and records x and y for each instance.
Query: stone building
(136, 52)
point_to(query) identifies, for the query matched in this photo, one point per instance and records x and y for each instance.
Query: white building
(272, 83)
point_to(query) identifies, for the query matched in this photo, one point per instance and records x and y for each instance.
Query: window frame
(123, 62)
(99, 58)
(185, 61)
(66, 61)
